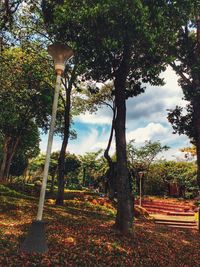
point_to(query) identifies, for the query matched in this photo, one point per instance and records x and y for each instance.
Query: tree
(36, 167)
(27, 149)
(163, 173)
(25, 95)
(93, 167)
(115, 40)
(141, 158)
(186, 64)
(69, 79)
(7, 11)
(73, 165)
(96, 97)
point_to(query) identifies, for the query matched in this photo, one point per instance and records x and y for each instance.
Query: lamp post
(35, 241)
(140, 175)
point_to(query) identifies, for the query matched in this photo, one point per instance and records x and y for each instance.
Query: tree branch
(173, 65)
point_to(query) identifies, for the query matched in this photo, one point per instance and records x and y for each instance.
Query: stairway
(168, 208)
(176, 215)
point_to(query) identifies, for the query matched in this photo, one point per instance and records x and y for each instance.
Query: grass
(80, 234)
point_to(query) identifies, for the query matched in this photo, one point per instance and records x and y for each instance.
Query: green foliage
(98, 32)
(25, 101)
(74, 186)
(7, 12)
(36, 165)
(11, 192)
(72, 169)
(93, 166)
(162, 173)
(26, 93)
(182, 121)
(140, 158)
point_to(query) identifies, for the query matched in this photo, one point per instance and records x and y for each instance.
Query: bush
(74, 187)
(7, 191)
(162, 173)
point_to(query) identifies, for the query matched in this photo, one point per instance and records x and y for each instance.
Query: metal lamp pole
(35, 241)
(60, 53)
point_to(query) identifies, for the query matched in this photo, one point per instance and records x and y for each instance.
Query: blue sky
(146, 120)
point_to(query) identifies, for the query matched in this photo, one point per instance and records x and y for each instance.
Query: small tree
(25, 95)
(140, 158)
(186, 64)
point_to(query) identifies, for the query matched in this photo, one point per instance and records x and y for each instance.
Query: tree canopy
(124, 41)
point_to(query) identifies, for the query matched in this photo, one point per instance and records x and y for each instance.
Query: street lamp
(35, 241)
(141, 175)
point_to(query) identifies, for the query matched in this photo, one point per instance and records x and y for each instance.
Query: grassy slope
(80, 234)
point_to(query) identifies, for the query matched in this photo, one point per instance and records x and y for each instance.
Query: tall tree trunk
(61, 160)
(5, 155)
(196, 110)
(53, 181)
(196, 100)
(124, 218)
(9, 149)
(61, 171)
(11, 153)
(84, 176)
(111, 172)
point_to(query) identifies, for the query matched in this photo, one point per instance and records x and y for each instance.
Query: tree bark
(9, 149)
(53, 181)
(196, 110)
(124, 218)
(84, 176)
(3, 164)
(11, 153)
(61, 160)
(196, 105)
(111, 172)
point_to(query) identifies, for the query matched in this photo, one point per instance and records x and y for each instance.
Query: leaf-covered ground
(81, 234)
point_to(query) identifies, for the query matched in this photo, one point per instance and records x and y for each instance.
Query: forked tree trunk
(61, 160)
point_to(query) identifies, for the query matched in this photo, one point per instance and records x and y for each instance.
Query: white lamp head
(60, 53)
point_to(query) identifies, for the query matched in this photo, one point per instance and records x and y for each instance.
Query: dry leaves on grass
(80, 235)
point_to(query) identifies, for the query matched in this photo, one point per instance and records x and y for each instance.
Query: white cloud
(95, 118)
(158, 132)
(85, 143)
(146, 120)
(55, 146)
(153, 131)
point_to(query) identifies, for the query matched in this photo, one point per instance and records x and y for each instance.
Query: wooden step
(175, 220)
(165, 208)
(166, 212)
(163, 204)
(181, 213)
(177, 223)
(156, 210)
(180, 226)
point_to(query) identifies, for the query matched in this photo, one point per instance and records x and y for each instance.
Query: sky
(146, 120)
